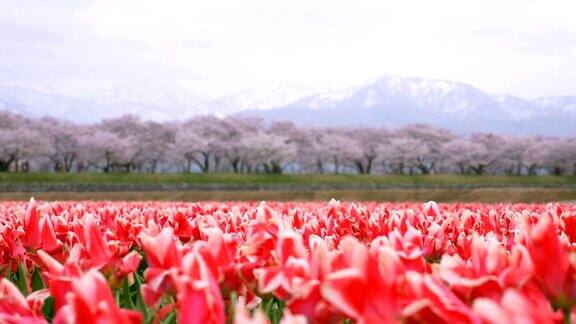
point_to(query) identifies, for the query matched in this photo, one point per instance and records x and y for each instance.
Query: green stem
(567, 315)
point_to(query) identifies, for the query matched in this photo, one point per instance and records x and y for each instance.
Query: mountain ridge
(384, 101)
(395, 101)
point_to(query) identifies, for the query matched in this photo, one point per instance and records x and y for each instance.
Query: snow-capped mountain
(394, 101)
(516, 107)
(557, 105)
(386, 101)
(439, 95)
(33, 103)
(268, 97)
(93, 102)
(160, 95)
(111, 100)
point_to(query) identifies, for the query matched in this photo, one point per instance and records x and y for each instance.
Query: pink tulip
(15, 308)
(90, 300)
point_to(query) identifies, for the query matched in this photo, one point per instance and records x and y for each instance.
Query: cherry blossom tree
(458, 154)
(64, 145)
(271, 153)
(515, 153)
(20, 142)
(202, 140)
(109, 151)
(337, 149)
(242, 145)
(559, 155)
(295, 138)
(426, 142)
(189, 148)
(366, 144)
(155, 140)
(238, 142)
(487, 153)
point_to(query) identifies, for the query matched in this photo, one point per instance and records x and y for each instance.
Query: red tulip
(96, 247)
(32, 231)
(14, 308)
(365, 289)
(516, 307)
(570, 227)
(434, 303)
(59, 277)
(549, 256)
(198, 296)
(161, 250)
(38, 230)
(90, 301)
(371, 262)
(129, 263)
(291, 268)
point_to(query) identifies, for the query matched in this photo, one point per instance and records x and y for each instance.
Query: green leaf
(117, 296)
(137, 302)
(36, 280)
(22, 277)
(273, 307)
(170, 319)
(9, 273)
(126, 298)
(48, 308)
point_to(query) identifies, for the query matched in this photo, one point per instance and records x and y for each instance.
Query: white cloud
(215, 47)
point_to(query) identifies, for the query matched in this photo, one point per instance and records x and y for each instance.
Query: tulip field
(249, 262)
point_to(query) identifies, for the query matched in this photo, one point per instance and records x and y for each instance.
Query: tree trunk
(369, 165)
(206, 167)
(519, 169)
(4, 166)
(204, 162)
(216, 163)
(359, 166)
(235, 163)
(557, 170)
(276, 168)
(400, 169)
(68, 163)
(478, 170)
(424, 169)
(320, 165)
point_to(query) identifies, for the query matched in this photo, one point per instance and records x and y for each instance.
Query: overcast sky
(526, 48)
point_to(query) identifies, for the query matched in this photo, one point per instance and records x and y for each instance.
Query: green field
(486, 195)
(230, 178)
(445, 188)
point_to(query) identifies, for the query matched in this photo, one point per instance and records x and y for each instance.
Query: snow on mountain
(518, 108)
(394, 101)
(557, 104)
(96, 103)
(387, 101)
(437, 95)
(150, 100)
(390, 101)
(162, 95)
(267, 97)
(93, 102)
(34, 103)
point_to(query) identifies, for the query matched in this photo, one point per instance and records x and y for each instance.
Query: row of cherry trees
(246, 145)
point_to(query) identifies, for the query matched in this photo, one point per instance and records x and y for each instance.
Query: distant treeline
(247, 145)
